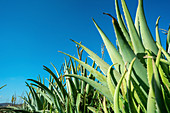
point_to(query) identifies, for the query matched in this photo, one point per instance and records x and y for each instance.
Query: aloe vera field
(128, 73)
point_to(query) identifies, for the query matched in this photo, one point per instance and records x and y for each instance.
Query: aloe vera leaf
(116, 94)
(97, 74)
(35, 98)
(139, 95)
(113, 53)
(94, 110)
(151, 103)
(151, 107)
(100, 105)
(149, 67)
(136, 41)
(132, 107)
(124, 24)
(130, 43)
(158, 57)
(68, 85)
(158, 91)
(67, 105)
(2, 86)
(29, 104)
(84, 103)
(66, 67)
(75, 81)
(165, 61)
(50, 93)
(39, 104)
(128, 55)
(103, 65)
(157, 31)
(43, 94)
(121, 22)
(55, 69)
(71, 88)
(54, 100)
(57, 92)
(73, 93)
(163, 71)
(166, 99)
(60, 85)
(78, 101)
(49, 86)
(111, 80)
(84, 73)
(31, 92)
(168, 41)
(88, 87)
(146, 35)
(28, 97)
(102, 89)
(137, 26)
(104, 105)
(163, 51)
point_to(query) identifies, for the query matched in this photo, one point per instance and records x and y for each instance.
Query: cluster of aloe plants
(63, 94)
(138, 80)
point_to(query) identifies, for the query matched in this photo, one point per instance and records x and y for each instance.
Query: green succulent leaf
(157, 32)
(78, 101)
(97, 74)
(50, 93)
(43, 94)
(151, 104)
(116, 95)
(140, 75)
(59, 83)
(94, 110)
(136, 41)
(102, 89)
(158, 91)
(112, 80)
(146, 35)
(103, 65)
(131, 103)
(121, 23)
(163, 51)
(113, 53)
(75, 81)
(137, 24)
(29, 104)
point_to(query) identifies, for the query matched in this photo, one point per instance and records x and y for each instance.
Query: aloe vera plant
(64, 94)
(143, 83)
(137, 82)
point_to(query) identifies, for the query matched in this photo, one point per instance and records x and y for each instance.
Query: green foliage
(145, 86)
(137, 82)
(65, 94)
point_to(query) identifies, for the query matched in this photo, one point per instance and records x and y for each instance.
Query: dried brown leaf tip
(113, 19)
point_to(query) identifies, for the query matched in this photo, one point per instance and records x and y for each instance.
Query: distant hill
(8, 104)
(5, 104)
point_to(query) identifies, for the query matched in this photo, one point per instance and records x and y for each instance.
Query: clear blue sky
(32, 31)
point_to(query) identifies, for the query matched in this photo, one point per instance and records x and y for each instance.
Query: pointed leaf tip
(113, 19)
